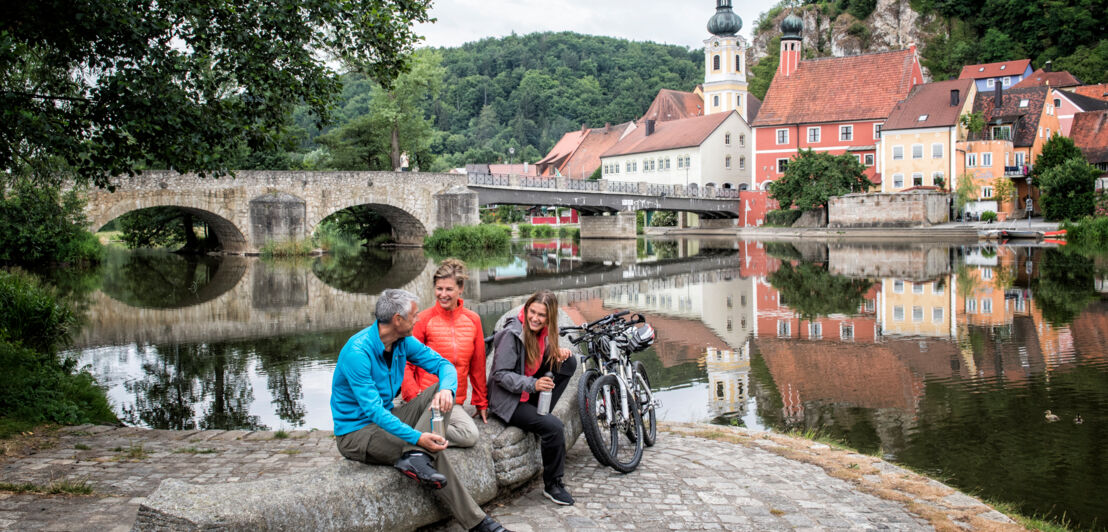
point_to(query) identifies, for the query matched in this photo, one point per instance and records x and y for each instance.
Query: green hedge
(783, 217)
(469, 239)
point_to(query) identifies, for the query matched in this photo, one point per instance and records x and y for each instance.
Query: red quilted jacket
(457, 336)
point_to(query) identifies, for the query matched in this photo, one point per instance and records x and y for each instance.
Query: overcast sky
(681, 22)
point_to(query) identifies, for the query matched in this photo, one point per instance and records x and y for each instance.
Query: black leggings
(552, 435)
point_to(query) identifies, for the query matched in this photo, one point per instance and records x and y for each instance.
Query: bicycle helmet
(640, 338)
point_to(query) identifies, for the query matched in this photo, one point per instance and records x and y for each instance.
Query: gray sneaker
(556, 491)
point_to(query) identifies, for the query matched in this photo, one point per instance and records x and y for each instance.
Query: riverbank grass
(64, 486)
(469, 240)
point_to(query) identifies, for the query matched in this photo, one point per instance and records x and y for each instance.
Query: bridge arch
(406, 227)
(218, 220)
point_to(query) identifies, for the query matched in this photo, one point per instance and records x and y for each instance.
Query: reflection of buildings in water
(728, 380)
(920, 308)
(679, 340)
(775, 318)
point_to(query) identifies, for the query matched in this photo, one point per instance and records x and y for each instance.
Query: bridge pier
(608, 225)
(717, 223)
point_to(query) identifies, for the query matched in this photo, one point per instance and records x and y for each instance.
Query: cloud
(663, 21)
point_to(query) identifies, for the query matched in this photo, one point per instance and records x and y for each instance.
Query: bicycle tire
(586, 411)
(621, 438)
(649, 417)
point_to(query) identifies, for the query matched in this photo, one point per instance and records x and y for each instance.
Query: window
(971, 160)
(971, 306)
(726, 139)
(730, 301)
(876, 131)
(782, 136)
(687, 162)
(868, 159)
(846, 132)
(898, 180)
(739, 68)
(628, 166)
(986, 306)
(846, 332)
(917, 179)
(783, 329)
(1001, 132)
(898, 153)
(1007, 80)
(1057, 102)
(815, 331)
(1020, 158)
(917, 288)
(898, 286)
(987, 159)
(667, 163)
(990, 83)
(1048, 132)
(782, 164)
(937, 314)
(937, 150)
(917, 151)
(742, 163)
(715, 62)
(870, 305)
(937, 289)
(813, 135)
(739, 102)
(715, 101)
(922, 118)
(986, 192)
(1024, 103)
(680, 163)
(727, 162)
(936, 177)
(917, 314)
(898, 313)
(986, 273)
(742, 141)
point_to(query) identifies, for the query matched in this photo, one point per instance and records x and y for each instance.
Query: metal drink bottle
(544, 398)
(437, 425)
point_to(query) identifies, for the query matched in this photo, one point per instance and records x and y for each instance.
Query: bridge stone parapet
(255, 207)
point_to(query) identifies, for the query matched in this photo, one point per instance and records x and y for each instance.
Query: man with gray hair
(368, 429)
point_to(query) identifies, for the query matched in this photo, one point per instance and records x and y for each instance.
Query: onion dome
(725, 23)
(792, 27)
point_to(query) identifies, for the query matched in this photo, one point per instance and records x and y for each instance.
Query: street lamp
(1028, 203)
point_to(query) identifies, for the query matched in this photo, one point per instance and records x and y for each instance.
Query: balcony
(1017, 171)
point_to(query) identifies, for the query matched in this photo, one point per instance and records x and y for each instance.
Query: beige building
(706, 151)
(919, 308)
(918, 141)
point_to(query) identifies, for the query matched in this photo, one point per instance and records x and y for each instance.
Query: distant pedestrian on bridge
(368, 429)
(455, 333)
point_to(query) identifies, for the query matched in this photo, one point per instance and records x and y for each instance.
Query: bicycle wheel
(621, 436)
(645, 398)
(586, 410)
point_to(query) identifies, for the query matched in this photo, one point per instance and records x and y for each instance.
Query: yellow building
(725, 85)
(919, 308)
(918, 140)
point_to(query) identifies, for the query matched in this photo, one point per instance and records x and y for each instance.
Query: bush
(1087, 231)
(39, 225)
(525, 230)
(286, 248)
(36, 385)
(544, 231)
(988, 216)
(1100, 203)
(783, 217)
(664, 219)
(1067, 190)
(569, 232)
(469, 239)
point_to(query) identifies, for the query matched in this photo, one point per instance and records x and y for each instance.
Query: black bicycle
(614, 399)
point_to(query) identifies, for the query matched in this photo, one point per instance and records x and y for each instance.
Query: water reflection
(942, 358)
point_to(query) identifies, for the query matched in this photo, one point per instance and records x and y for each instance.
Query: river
(945, 359)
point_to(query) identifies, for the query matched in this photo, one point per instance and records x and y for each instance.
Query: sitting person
(455, 333)
(526, 347)
(367, 427)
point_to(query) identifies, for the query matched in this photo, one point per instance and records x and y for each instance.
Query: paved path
(698, 477)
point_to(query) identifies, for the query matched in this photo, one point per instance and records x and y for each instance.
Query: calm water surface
(942, 358)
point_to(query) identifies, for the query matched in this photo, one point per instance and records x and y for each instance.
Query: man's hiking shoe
(488, 524)
(556, 491)
(418, 466)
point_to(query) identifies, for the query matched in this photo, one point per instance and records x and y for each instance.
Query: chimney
(607, 126)
(954, 97)
(1048, 67)
(649, 128)
(584, 128)
(998, 95)
(525, 165)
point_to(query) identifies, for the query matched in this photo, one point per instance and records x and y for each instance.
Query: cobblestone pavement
(698, 477)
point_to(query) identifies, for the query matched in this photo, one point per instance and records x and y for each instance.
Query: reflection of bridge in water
(271, 300)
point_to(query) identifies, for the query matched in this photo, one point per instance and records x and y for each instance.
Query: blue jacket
(363, 387)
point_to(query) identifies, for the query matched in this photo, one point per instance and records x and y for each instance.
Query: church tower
(725, 87)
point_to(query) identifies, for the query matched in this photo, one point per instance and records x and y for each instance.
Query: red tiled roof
(1090, 134)
(586, 158)
(674, 105)
(753, 105)
(1027, 124)
(839, 89)
(514, 169)
(931, 100)
(1099, 92)
(669, 135)
(992, 70)
(563, 148)
(1041, 77)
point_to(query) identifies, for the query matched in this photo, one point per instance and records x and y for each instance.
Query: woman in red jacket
(455, 333)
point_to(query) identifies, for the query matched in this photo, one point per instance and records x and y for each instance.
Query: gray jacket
(506, 379)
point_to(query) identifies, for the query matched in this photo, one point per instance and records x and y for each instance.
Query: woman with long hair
(454, 332)
(527, 361)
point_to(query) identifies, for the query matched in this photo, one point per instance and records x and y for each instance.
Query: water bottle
(544, 398)
(437, 426)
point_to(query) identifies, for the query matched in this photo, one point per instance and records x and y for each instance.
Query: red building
(834, 104)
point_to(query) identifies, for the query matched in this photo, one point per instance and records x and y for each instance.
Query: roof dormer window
(922, 118)
(982, 69)
(1024, 103)
(1002, 67)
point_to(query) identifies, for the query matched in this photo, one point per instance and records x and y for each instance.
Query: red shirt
(457, 335)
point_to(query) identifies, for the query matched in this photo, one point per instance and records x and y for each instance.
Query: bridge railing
(494, 180)
(625, 187)
(583, 184)
(538, 182)
(603, 185)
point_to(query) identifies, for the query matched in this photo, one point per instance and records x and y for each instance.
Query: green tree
(1067, 190)
(762, 72)
(1056, 151)
(812, 178)
(974, 122)
(812, 291)
(39, 226)
(163, 227)
(105, 88)
(997, 46)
